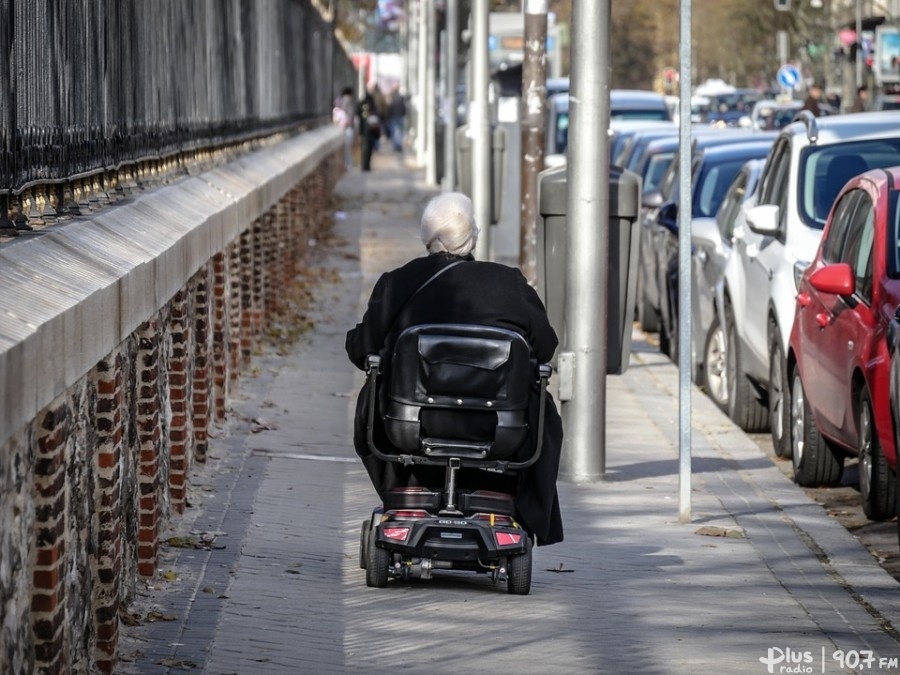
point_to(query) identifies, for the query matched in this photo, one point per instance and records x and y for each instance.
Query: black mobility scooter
(456, 397)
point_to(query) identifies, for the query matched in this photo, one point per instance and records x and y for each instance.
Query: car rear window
(824, 170)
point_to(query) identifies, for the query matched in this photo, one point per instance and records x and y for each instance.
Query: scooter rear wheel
(364, 543)
(378, 561)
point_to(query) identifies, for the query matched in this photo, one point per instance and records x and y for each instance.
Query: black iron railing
(89, 88)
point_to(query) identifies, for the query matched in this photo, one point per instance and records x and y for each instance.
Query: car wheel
(897, 492)
(815, 461)
(715, 371)
(779, 398)
(518, 570)
(648, 317)
(744, 407)
(673, 325)
(876, 480)
(378, 562)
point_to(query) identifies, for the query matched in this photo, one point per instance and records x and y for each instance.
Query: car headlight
(799, 268)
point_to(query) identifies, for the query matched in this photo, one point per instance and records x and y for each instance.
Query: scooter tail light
(396, 533)
(507, 538)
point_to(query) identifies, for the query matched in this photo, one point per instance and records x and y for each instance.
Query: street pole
(859, 54)
(422, 87)
(412, 54)
(429, 107)
(587, 244)
(480, 128)
(534, 97)
(404, 53)
(684, 269)
(452, 68)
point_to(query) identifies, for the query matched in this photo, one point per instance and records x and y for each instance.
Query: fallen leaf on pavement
(159, 616)
(184, 664)
(713, 531)
(559, 570)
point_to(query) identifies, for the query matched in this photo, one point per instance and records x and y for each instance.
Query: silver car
(711, 242)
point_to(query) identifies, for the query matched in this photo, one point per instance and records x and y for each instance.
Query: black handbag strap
(424, 284)
(433, 277)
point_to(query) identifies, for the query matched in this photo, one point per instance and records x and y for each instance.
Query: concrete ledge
(70, 297)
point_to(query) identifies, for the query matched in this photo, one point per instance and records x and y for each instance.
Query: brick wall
(87, 485)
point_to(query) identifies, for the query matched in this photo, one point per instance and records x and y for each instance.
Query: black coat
(479, 293)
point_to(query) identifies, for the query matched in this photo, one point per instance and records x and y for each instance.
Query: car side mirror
(554, 160)
(668, 216)
(705, 232)
(836, 279)
(652, 199)
(763, 219)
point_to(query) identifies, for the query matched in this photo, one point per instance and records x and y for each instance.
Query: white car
(776, 234)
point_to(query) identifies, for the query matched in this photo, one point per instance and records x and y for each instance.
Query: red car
(839, 361)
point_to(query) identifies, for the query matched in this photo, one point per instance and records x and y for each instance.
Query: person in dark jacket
(473, 292)
(813, 100)
(369, 128)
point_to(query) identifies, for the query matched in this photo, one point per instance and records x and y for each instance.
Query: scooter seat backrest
(444, 376)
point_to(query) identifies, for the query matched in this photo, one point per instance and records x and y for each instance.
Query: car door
(709, 258)
(761, 253)
(813, 307)
(847, 326)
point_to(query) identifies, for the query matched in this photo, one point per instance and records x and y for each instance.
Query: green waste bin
(464, 165)
(624, 234)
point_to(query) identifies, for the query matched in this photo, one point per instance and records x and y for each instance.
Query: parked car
(893, 341)
(772, 115)
(710, 253)
(887, 102)
(727, 108)
(624, 104)
(713, 169)
(776, 234)
(632, 154)
(838, 358)
(622, 131)
(650, 292)
(651, 164)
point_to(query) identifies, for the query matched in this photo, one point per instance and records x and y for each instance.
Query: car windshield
(655, 114)
(655, 170)
(711, 186)
(825, 169)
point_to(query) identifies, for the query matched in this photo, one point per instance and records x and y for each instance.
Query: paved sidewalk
(630, 590)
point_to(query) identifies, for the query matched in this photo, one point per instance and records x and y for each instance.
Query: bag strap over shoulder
(424, 284)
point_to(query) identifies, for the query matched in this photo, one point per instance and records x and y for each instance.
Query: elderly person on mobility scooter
(448, 287)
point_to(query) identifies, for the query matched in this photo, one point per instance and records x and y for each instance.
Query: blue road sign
(789, 76)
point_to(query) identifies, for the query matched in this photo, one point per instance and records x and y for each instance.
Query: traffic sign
(789, 76)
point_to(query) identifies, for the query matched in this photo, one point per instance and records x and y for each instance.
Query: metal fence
(88, 86)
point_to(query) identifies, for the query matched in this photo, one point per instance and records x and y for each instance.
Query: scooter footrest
(413, 498)
(487, 502)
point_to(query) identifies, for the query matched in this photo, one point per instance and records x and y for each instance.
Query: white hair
(448, 224)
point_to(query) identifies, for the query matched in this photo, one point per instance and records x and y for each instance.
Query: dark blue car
(713, 169)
